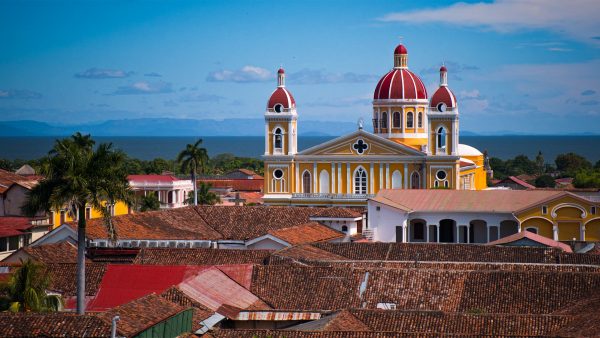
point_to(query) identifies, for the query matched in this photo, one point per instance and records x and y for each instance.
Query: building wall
(15, 197)
(120, 209)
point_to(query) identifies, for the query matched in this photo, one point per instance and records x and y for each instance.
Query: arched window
(396, 120)
(278, 143)
(324, 182)
(441, 138)
(420, 120)
(306, 184)
(396, 180)
(344, 228)
(532, 229)
(415, 180)
(360, 181)
(410, 120)
(384, 120)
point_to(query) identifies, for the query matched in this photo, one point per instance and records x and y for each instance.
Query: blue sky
(525, 66)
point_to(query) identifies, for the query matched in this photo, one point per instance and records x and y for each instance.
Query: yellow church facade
(414, 145)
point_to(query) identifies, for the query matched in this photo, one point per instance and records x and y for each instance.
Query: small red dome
(280, 71)
(281, 96)
(443, 95)
(400, 84)
(443, 69)
(400, 49)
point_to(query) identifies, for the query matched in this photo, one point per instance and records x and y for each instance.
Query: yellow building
(415, 145)
(62, 216)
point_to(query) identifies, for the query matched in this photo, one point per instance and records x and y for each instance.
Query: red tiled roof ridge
(521, 182)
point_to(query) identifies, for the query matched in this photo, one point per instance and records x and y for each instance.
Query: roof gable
(371, 145)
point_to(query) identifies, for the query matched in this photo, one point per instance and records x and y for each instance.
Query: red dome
(280, 71)
(400, 49)
(443, 69)
(400, 84)
(443, 95)
(283, 96)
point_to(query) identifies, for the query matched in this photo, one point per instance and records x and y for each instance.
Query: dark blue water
(147, 148)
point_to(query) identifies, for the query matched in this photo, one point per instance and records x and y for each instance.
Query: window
(593, 211)
(415, 180)
(88, 213)
(396, 120)
(532, 229)
(324, 182)
(63, 215)
(544, 210)
(441, 138)
(420, 120)
(409, 120)
(111, 209)
(306, 182)
(418, 231)
(344, 228)
(278, 108)
(441, 175)
(13, 243)
(3, 244)
(396, 180)
(278, 173)
(375, 124)
(278, 144)
(384, 120)
(360, 181)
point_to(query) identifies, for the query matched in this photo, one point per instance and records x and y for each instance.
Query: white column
(315, 176)
(333, 178)
(389, 123)
(406, 186)
(582, 232)
(371, 178)
(348, 179)
(404, 232)
(266, 137)
(289, 133)
(402, 119)
(487, 233)
(457, 239)
(387, 175)
(380, 176)
(555, 231)
(468, 233)
(437, 233)
(298, 183)
(426, 232)
(339, 174)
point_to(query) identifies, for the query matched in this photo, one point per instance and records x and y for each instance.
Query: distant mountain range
(186, 127)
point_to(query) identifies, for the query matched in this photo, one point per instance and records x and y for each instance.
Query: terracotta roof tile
(307, 233)
(64, 278)
(8, 178)
(337, 213)
(14, 226)
(62, 252)
(52, 325)
(169, 256)
(339, 321)
(141, 314)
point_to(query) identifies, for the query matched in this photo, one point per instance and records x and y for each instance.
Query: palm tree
(193, 158)
(26, 290)
(149, 202)
(203, 196)
(77, 176)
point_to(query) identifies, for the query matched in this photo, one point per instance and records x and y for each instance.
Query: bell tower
(443, 119)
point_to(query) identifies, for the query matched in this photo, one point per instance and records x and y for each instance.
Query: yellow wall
(592, 230)
(544, 226)
(120, 209)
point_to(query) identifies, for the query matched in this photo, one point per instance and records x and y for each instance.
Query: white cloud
(574, 18)
(243, 75)
(99, 73)
(144, 87)
(469, 94)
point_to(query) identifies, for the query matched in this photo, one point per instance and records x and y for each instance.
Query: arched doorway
(418, 230)
(447, 230)
(415, 180)
(478, 229)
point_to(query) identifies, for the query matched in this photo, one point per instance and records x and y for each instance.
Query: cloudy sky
(525, 66)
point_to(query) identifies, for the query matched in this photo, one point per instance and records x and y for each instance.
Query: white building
(170, 190)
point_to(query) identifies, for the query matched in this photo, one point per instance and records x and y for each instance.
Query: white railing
(160, 185)
(332, 196)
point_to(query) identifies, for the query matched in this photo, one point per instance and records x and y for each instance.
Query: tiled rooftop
(63, 277)
(165, 256)
(307, 233)
(52, 325)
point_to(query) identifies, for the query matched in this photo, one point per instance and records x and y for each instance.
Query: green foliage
(539, 163)
(545, 181)
(205, 196)
(26, 290)
(149, 202)
(521, 164)
(569, 164)
(587, 179)
(224, 163)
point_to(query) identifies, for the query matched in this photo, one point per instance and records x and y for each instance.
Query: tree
(204, 196)
(192, 158)
(545, 181)
(26, 290)
(77, 176)
(539, 163)
(587, 179)
(149, 202)
(569, 164)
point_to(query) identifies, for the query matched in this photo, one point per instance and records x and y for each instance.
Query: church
(414, 145)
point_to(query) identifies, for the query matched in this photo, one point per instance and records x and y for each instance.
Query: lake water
(147, 148)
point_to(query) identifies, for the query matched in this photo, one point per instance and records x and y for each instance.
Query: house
(170, 190)
(455, 216)
(514, 183)
(18, 232)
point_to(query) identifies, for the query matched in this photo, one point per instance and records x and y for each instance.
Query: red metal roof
(445, 95)
(400, 84)
(400, 49)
